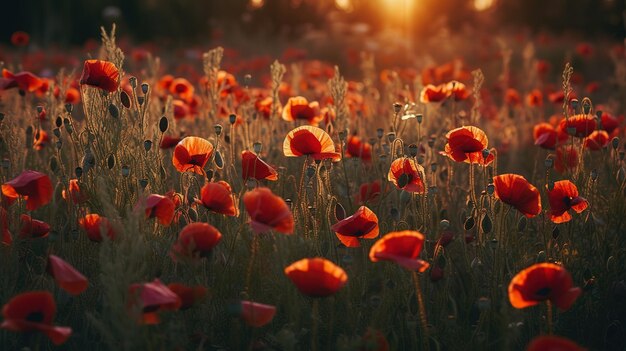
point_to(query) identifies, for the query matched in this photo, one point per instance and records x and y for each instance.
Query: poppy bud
(486, 225)
(54, 165)
(391, 136)
(342, 135)
(621, 155)
(433, 167)
(397, 107)
(444, 224)
(232, 118)
(548, 162)
(140, 100)
(469, 223)
(372, 141)
(310, 172)
(541, 257)
(288, 202)
(56, 132)
(58, 122)
(133, 82)
(69, 107)
(419, 118)
(145, 87)
(413, 150)
(420, 159)
(143, 183)
(39, 109)
(78, 171)
(431, 142)
(218, 129)
(59, 143)
(125, 171)
(147, 145)
(555, 232)
(163, 124)
(615, 143)
(486, 153)
(490, 188)
(111, 161)
(114, 111)
(125, 99)
(257, 146)
(379, 132)
(586, 106)
(219, 161)
(193, 214)
(574, 103)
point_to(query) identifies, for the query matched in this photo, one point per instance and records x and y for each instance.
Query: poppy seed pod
(548, 162)
(140, 100)
(257, 146)
(69, 107)
(111, 161)
(232, 118)
(125, 171)
(419, 118)
(56, 132)
(39, 109)
(379, 133)
(342, 135)
(413, 150)
(133, 82)
(143, 183)
(147, 145)
(125, 99)
(145, 87)
(78, 171)
(490, 188)
(574, 103)
(163, 124)
(58, 122)
(218, 129)
(615, 143)
(486, 153)
(397, 107)
(391, 136)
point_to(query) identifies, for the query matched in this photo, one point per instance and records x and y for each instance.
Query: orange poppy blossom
(597, 140)
(566, 158)
(582, 125)
(41, 140)
(268, 211)
(408, 171)
(182, 88)
(75, 194)
(189, 295)
(24, 81)
(403, 248)
(541, 282)
(552, 343)
(316, 277)
(299, 108)
(363, 224)
(7, 239)
(191, 155)
(66, 276)
(466, 144)
(33, 228)
(197, 239)
(151, 298)
(355, 147)
(161, 207)
(515, 190)
(458, 91)
(100, 74)
(257, 314)
(310, 141)
(546, 136)
(218, 197)
(534, 98)
(434, 94)
(33, 311)
(563, 197)
(252, 167)
(34, 187)
(95, 225)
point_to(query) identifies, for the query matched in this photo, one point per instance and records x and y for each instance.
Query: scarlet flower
(431, 93)
(466, 144)
(264, 106)
(75, 193)
(458, 91)
(189, 295)
(402, 247)
(33, 186)
(582, 125)
(197, 239)
(257, 314)
(362, 224)
(191, 155)
(161, 207)
(563, 197)
(151, 298)
(534, 98)
(20, 38)
(515, 190)
(541, 282)
(218, 197)
(552, 343)
(66, 276)
(368, 192)
(168, 142)
(41, 140)
(316, 277)
(181, 88)
(512, 97)
(33, 228)
(355, 147)
(34, 311)
(407, 174)
(95, 225)
(24, 81)
(546, 136)
(299, 108)
(268, 211)
(597, 140)
(610, 122)
(310, 141)
(252, 167)
(100, 74)
(566, 158)
(7, 239)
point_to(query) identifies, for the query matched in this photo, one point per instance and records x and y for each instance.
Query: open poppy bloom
(310, 141)
(431, 93)
(34, 311)
(74, 192)
(563, 197)
(66, 276)
(189, 295)
(597, 140)
(299, 108)
(362, 224)
(41, 140)
(257, 314)
(252, 167)
(582, 125)
(197, 239)
(458, 91)
(358, 148)
(610, 123)
(534, 98)
(466, 144)
(541, 282)
(168, 142)
(100, 74)
(32, 228)
(95, 225)
(5, 234)
(35, 187)
(218, 197)
(402, 247)
(191, 155)
(316, 277)
(151, 298)
(407, 174)
(546, 136)
(552, 343)
(161, 207)
(268, 211)
(515, 190)
(24, 81)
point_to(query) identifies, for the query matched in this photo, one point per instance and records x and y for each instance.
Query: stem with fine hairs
(422, 311)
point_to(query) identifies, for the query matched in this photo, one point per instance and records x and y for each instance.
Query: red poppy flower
(546, 136)
(534, 98)
(168, 142)
(24, 81)
(7, 239)
(100, 74)
(458, 91)
(189, 295)
(374, 340)
(34, 311)
(597, 140)
(566, 158)
(33, 228)
(368, 192)
(20, 38)
(35, 187)
(299, 108)
(151, 298)
(408, 172)
(584, 49)
(582, 125)
(95, 225)
(41, 140)
(75, 194)
(431, 93)
(402, 247)
(515, 190)
(609, 122)
(310, 141)
(197, 239)
(552, 343)
(191, 154)
(563, 197)
(358, 148)
(257, 314)
(268, 211)
(264, 106)
(512, 97)
(66, 276)
(466, 144)
(362, 224)
(72, 96)
(316, 277)
(252, 167)
(217, 197)
(161, 207)
(181, 88)
(181, 109)
(541, 282)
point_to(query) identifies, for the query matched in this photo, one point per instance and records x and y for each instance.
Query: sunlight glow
(344, 5)
(482, 5)
(256, 4)
(397, 4)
